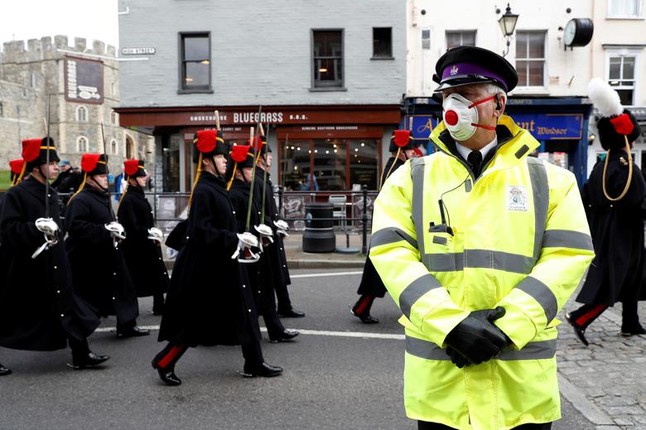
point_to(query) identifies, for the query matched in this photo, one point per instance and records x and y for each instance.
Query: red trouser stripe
(364, 303)
(585, 319)
(169, 358)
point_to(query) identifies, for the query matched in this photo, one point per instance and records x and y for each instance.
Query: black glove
(476, 339)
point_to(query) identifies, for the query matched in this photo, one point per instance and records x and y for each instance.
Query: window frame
(623, 53)
(524, 73)
(461, 34)
(621, 9)
(82, 114)
(386, 44)
(332, 85)
(183, 88)
(82, 144)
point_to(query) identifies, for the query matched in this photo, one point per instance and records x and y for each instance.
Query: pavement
(605, 382)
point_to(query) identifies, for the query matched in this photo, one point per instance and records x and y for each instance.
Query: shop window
(530, 58)
(460, 38)
(195, 65)
(621, 73)
(382, 42)
(327, 54)
(336, 164)
(625, 9)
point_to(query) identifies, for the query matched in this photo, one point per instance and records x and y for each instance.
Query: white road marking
(309, 332)
(318, 275)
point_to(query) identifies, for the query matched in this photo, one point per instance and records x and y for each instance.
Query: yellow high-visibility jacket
(519, 239)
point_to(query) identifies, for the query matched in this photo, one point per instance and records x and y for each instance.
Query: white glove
(266, 234)
(281, 227)
(47, 226)
(155, 235)
(50, 230)
(246, 241)
(117, 232)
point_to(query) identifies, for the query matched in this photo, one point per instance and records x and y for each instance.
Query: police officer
(142, 249)
(480, 246)
(39, 310)
(93, 244)
(402, 148)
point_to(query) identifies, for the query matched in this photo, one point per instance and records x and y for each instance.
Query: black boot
(265, 370)
(131, 330)
(167, 376)
(88, 360)
(286, 335)
(630, 325)
(82, 357)
(4, 370)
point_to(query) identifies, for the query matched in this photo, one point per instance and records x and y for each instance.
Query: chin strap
(630, 174)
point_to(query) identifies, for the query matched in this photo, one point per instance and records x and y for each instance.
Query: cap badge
(454, 70)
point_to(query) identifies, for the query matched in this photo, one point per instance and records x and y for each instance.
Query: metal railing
(355, 218)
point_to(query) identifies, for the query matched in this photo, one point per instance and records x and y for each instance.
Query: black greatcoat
(371, 283)
(143, 256)
(38, 307)
(276, 251)
(99, 270)
(205, 303)
(617, 232)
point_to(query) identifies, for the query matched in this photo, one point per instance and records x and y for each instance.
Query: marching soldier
(240, 179)
(93, 244)
(142, 248)
(276, 249)
(206, 303)
(39, 310)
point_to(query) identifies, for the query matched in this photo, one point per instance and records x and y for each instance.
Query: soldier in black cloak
(93, 244)
(206, 303)
(142, 247)
(613, 197)
(39, 310)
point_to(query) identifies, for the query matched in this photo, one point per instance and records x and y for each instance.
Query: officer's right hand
(476, 339)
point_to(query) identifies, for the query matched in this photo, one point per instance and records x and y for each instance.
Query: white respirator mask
(461, 116)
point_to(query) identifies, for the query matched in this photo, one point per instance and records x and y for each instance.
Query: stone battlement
(44, 48)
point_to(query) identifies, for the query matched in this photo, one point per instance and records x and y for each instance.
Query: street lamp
(507, 24)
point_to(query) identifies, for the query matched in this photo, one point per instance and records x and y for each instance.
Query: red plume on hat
(31, 149)
(401, 138)
(130, 167)
(239, 153)
(206, 141)
(16, 166)
(89, 162)
(256, 143)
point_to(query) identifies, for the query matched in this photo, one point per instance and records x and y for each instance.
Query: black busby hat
(465, 65)
(401, 139)
(208, 143)
(615, 125)
(134, 168)
(94, 164)
(38, 151)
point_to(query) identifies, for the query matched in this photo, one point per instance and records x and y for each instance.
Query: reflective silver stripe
(542, 294)
(532, 351)
(391, 235)
(567, 239)
(540, 191)
(480, 258)
(415, 290)
(417, 176)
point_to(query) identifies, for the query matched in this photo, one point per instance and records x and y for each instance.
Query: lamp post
(507, 24)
